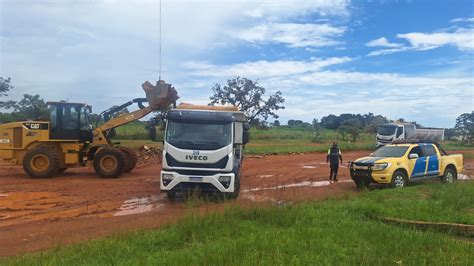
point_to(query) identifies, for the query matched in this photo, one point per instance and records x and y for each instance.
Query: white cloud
(293, 34)
(456, 20)
(58, 48)
(311, 90)
(461, 38)
(383, 42)
(262, 68)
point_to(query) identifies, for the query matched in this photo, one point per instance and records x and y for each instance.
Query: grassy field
(329, 232)
(278, 140)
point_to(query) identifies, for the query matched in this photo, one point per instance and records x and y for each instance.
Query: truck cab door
(433, 160)
(417, 165)
(399, 133)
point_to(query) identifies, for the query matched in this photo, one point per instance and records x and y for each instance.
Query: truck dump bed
(188, 106)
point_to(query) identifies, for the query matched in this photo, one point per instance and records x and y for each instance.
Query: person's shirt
(334, 155)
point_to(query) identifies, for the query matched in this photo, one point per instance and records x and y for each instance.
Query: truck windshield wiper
(186, 142)
(207, 142)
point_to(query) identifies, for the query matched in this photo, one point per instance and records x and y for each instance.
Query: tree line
(250, 98)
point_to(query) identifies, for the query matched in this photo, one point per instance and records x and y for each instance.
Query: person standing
(333, 157)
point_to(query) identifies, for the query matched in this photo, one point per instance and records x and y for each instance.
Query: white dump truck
(203, 150)
(399, 131)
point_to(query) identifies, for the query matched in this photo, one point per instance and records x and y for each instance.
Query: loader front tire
(41, 162)
(109, 162)
(131, 158)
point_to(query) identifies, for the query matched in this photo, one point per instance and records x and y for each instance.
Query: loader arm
(100, 133)
(159, 97)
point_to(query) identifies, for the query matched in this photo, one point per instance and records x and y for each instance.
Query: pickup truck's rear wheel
(449, 176)
(399, 179)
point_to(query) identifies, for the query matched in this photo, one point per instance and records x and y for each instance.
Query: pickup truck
(399, 164)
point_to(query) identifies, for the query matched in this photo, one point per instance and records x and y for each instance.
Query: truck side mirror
(245, 133)
(413, 156)
(246, 137)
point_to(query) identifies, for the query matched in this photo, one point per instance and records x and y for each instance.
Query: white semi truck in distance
(203, 150)
(398, 131)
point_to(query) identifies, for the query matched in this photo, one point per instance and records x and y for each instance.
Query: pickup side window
(417, 150)
(429, 150)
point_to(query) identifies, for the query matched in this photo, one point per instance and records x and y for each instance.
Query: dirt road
(44, 213)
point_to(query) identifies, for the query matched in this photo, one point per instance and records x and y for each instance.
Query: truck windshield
(198, 136)
(387, 130)
(390, 151)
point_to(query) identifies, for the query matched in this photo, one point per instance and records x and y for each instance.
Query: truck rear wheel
(109, 162)
(41, 162)
(449, 176)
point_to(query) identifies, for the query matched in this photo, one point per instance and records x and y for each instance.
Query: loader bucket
(160, 96)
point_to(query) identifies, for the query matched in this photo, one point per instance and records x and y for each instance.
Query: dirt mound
(148, 156)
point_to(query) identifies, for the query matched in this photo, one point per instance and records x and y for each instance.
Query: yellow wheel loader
(46, 148)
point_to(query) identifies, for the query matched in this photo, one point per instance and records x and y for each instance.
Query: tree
(247, 95)
(375, 122)
(5, 87)
(315, 123)
(450, 133)
(330, 122)
(465, 125)
(295, 123)
(31, 107)
(276, 123)
(352, 127)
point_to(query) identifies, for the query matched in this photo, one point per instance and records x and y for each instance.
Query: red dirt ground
(37, 214)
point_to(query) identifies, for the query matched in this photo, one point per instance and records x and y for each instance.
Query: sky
(409, 59)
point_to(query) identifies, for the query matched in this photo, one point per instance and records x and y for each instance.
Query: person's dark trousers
(333, 173)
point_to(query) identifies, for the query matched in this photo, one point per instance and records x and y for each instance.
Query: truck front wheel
(236, 192)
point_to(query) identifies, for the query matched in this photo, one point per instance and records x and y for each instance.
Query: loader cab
(70, 121)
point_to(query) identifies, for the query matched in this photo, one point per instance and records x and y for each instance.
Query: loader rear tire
(41, 162)
(109, 162)
(131, 158)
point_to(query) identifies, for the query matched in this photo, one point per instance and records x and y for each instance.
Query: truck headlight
(225, 180)
(167, 178)
(380, 166)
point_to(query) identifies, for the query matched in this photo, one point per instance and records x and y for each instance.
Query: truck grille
(172, 162)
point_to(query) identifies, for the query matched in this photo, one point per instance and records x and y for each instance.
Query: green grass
(329, 232)
(279, 140)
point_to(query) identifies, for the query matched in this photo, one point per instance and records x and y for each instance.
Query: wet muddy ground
(37, 214)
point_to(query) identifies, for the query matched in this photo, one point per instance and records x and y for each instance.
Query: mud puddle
(293, 185)
(141, 205)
